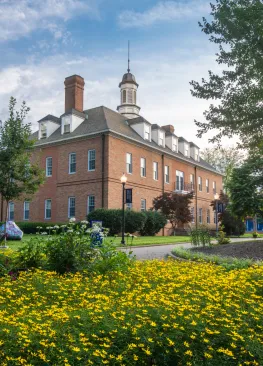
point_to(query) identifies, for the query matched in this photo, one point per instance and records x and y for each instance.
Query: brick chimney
(168, 128)
(74, 91)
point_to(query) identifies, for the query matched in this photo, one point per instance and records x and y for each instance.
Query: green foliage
(232, 225)
(33, 227)
(174, 207)
(200, 236)
(255, 235)
(18, 174)
(112, 219)
(221, 238)
(155, 221)
(226, 262)
(31, 255)
(110, 261)
(236, 27)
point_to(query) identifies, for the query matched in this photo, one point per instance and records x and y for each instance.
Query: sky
(42, 42)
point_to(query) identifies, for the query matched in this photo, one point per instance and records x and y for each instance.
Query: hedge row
(146, 223)
(31, 227)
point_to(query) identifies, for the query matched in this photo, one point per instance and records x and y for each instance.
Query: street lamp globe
(216, 196)
(123, 178)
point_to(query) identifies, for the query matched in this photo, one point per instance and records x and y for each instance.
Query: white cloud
(164, 11)
(163, 95)
(19, 18)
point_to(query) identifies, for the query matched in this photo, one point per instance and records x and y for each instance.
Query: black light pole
(123, 181)
(216, 196)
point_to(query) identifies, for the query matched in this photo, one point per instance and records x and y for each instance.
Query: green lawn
(143, 240)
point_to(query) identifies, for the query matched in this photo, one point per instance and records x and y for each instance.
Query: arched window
(124, 96)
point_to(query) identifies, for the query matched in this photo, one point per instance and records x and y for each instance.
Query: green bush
(200, 236)
(154, 222)
(112, 220)
(221, 238)
(32, 227)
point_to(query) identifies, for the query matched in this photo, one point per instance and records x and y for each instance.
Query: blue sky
(42, 42)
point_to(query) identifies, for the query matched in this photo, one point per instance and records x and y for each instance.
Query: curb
(151, 245)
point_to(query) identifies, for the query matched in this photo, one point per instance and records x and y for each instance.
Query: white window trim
(25, 210)
(70, 217)
(141, 167)
(11, 203)
(130, 164)
(48, 218)
(88, 203)
(200, 183)
(89, 152)
(207, 186)
(47, 175)
(180, 175)
(200, 222)
(143, 200)
(69, 164)
(155, 164)
(168, 170)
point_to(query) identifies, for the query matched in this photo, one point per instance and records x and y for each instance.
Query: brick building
(85, 152)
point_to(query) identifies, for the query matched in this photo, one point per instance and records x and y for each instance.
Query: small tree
(19, 177)
(175, 207)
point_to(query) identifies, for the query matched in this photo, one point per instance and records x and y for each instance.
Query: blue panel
(249, 225)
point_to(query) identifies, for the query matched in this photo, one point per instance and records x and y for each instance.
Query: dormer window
(161, 138)
(43, 130)
(147, 132)
(186, 150)
(67, 125)
(197, 156)
(174, 147)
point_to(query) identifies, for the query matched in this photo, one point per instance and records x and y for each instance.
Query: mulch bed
(250, 249)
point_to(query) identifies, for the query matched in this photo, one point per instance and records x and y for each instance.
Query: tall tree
(175, 207)
(224, 159)
(237, 28)
(19, 177)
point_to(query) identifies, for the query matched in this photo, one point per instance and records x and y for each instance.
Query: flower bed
(158, 313)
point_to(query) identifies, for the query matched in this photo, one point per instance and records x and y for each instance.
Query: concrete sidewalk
(160, 251)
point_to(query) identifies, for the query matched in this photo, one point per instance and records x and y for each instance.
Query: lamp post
(123, 181)
(216, 197)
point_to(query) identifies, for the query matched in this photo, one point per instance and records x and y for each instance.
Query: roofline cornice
(108, 131)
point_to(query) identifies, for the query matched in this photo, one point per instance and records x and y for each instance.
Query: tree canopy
(237, 29)
(19, 176)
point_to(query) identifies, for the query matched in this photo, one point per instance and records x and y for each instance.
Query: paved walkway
(160, 251)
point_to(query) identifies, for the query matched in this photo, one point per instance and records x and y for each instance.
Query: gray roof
(102, 119)
(194, 145)
(139, 119)
(181, 139)
(128, 78)
(74, 111)
(50, 117)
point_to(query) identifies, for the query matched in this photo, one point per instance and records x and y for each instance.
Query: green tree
(19, 177)
(224, 159)
(237, 29)
(175, 207)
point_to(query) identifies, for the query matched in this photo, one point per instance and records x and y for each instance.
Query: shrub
(200, 236)
(31, 255)
(232, 225)
(221, 238)
(112, 219)
(32, 227)
(154, 222)
(255, 235)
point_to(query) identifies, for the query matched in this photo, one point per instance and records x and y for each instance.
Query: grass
(143, 240)
(228, 263)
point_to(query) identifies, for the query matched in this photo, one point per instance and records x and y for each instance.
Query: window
(207, 185)
(129, 163)
(49, 167)
(147, 132)
(161, 139)
(43, 131)
(129, 92)
(193, 215)
(91, 204)
(129, 206)
(72, 163)
(48, 209)
(91, 160)
(167, 174)
(179, 181)
(200, 184)
(134, 93)
(143, 204)
(67, 125)
(124, 96)
(11, 211)
(214, 187)
(143, 167)
(200, 215)
(174, 147)
(155, 170)
(192, 181)
(196, 155)
(71, 207)
(186, 150)
(26, 210)
(208, 216)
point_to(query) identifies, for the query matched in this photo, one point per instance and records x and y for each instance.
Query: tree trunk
(6, 216)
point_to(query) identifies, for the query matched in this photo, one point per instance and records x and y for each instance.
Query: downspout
(196, 210)
(163, 183)
(102, 169)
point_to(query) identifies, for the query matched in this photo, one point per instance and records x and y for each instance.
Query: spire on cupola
(128, 89)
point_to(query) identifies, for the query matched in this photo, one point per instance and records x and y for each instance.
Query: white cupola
(128, 95)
